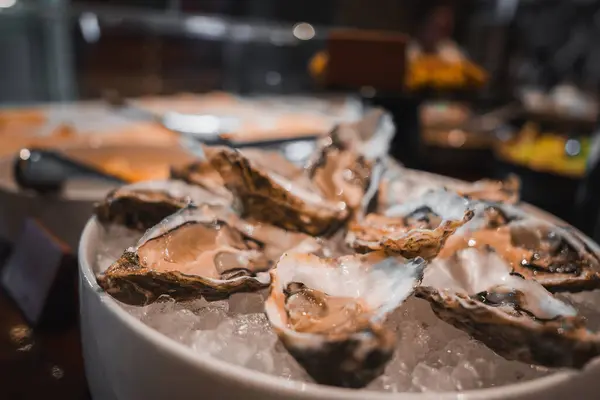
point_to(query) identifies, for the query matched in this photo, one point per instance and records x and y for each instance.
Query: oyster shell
(370, 136)
(273, 240)
(476, 291)
(554, 256)
(419, 228)
(506, 191)
(201, 173)
(295, 205)
(329, 312)
(142, 205)
(342, 174)
(190, 254)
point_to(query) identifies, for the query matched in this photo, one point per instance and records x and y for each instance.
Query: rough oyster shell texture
(555, 256)
(416, 229)
(475, 291)
(271, 198)
(142, 205)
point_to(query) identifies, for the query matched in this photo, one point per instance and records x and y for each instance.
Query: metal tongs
(46, 171)
(204, 128)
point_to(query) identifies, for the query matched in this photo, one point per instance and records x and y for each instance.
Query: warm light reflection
(304, 31)
(7, 3)
(24, 154)
(456, 138)
(90, 27)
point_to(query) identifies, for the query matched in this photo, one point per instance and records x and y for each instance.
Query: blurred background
(532, 64)
(477, 89)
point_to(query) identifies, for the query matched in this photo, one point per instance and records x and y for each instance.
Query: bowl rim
(281, 386)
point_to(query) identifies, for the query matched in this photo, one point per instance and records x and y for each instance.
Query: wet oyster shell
(201, 173)
(271, 198)
(355, 352)
(142, 205)
(343, 174)
(419, 228)
(517, 318)
(493, 191)
(340, 174)
(557, 257)
(171, 259)
(370, 136)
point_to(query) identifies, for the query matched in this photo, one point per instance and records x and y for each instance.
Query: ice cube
(114, 239)
(429, 379)
(465, 376)
(246, 303)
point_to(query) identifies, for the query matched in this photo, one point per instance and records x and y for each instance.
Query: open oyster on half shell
(557, 257)
(266, 196)
(329, 312)
(476, 291)
(142, 205)
(190, 254)
(419, 228)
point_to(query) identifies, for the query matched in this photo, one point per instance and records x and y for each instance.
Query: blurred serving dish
(241, 120)
(65, 212)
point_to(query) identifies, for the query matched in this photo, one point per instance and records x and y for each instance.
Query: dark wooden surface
(39, 363)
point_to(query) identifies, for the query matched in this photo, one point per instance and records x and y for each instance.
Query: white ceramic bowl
(126, 360)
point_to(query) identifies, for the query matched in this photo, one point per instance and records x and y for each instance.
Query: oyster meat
(266, 196)
(556, 257)
(419, 228)
(274, 241)
(476, 291)
(329, 312)
(188, 255)
(142, 205)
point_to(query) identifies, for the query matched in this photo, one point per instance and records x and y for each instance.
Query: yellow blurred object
(545, 152)
(122, 168)
(318, 65)
(427, 70)
(22, 117)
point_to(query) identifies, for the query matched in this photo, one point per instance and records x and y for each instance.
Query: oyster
(266, 196)
(273, 240)
(202, 174)
(506, 191)
(370, 137)
(329, 312)
(344, 175)
(340, 174)
(275, 161)
(476, 291)
(556, 257)
(142, 205)
(419, 228)
(190, 254)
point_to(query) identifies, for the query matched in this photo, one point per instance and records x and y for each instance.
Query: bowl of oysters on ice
(245, 275)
